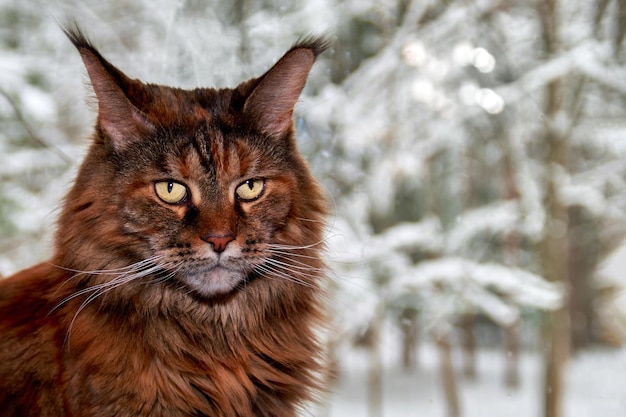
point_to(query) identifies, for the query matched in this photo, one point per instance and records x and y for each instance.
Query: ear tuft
(317, 44)
(76, 35)
(118, 117)
(270, 105)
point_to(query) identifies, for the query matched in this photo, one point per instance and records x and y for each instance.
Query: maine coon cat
(187, 277)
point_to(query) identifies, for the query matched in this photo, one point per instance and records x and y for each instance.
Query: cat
(187, 276)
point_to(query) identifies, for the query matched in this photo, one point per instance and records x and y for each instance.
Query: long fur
(128, 318)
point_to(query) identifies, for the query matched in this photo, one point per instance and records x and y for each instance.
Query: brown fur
(129, 318)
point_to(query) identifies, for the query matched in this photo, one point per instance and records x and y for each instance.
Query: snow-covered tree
(484, 117)
(463, 143)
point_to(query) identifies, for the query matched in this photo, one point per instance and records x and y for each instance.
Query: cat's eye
(171, 192)
(250, 189)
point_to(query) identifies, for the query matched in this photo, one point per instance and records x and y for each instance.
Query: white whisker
(291, 262)
(272, 272)
(288, 270)
(122, 276)
(133, 266)
(290, 254)
(294, 247)
(294, 268)
(311, 220)
(135, 270)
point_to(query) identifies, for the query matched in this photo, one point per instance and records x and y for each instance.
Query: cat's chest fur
(174, 366)
(158, 360)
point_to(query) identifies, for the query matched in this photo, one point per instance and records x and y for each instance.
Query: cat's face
(210, 206)
(204, 187)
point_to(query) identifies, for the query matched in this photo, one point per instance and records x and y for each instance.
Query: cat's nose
(218, 242)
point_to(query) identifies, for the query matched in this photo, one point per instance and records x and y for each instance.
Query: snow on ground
(595, 386)
(418, 393)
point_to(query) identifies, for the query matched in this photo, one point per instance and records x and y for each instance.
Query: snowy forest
(474, 152)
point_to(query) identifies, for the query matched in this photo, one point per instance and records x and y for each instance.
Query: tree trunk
(410, 338)
(554, 244)
(554, 262)
(584, 256)
(556, 339)
(468, 343)
(512, 351)
(556, 329)
(448, 378)
(375, 371)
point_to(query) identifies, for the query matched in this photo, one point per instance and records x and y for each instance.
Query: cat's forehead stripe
(216, 143)
(226, 155)
(234, 161)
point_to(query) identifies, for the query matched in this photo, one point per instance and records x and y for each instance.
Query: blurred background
(474, 152)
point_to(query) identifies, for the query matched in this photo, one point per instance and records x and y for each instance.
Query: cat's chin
(213, 282)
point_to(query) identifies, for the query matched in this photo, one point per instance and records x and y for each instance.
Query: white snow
(491, 288)
(592, 382)
(498, 219)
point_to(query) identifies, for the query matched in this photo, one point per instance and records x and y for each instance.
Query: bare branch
(30, 132)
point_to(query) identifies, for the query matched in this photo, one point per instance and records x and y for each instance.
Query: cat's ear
(121, 121)
(269, 107)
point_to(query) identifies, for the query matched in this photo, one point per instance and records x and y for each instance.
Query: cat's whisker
(311, 220)
(296, 257)
(295, 266)
(149, 260)
(98, 292)
(272, 272)
(112, 271)
(283, 272)
(171, 274)
(126, 274)
(291, 254)
(286, 269)
(125, 278)
(129, 276)
(294, 247)
(358, 282)
(101, 289)
(328, 272)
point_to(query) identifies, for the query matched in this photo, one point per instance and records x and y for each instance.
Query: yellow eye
(171, 192)
(251, 189)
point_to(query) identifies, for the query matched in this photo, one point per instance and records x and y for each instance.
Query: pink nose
(218, 242)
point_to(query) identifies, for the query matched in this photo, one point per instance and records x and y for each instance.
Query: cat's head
(205, 187)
